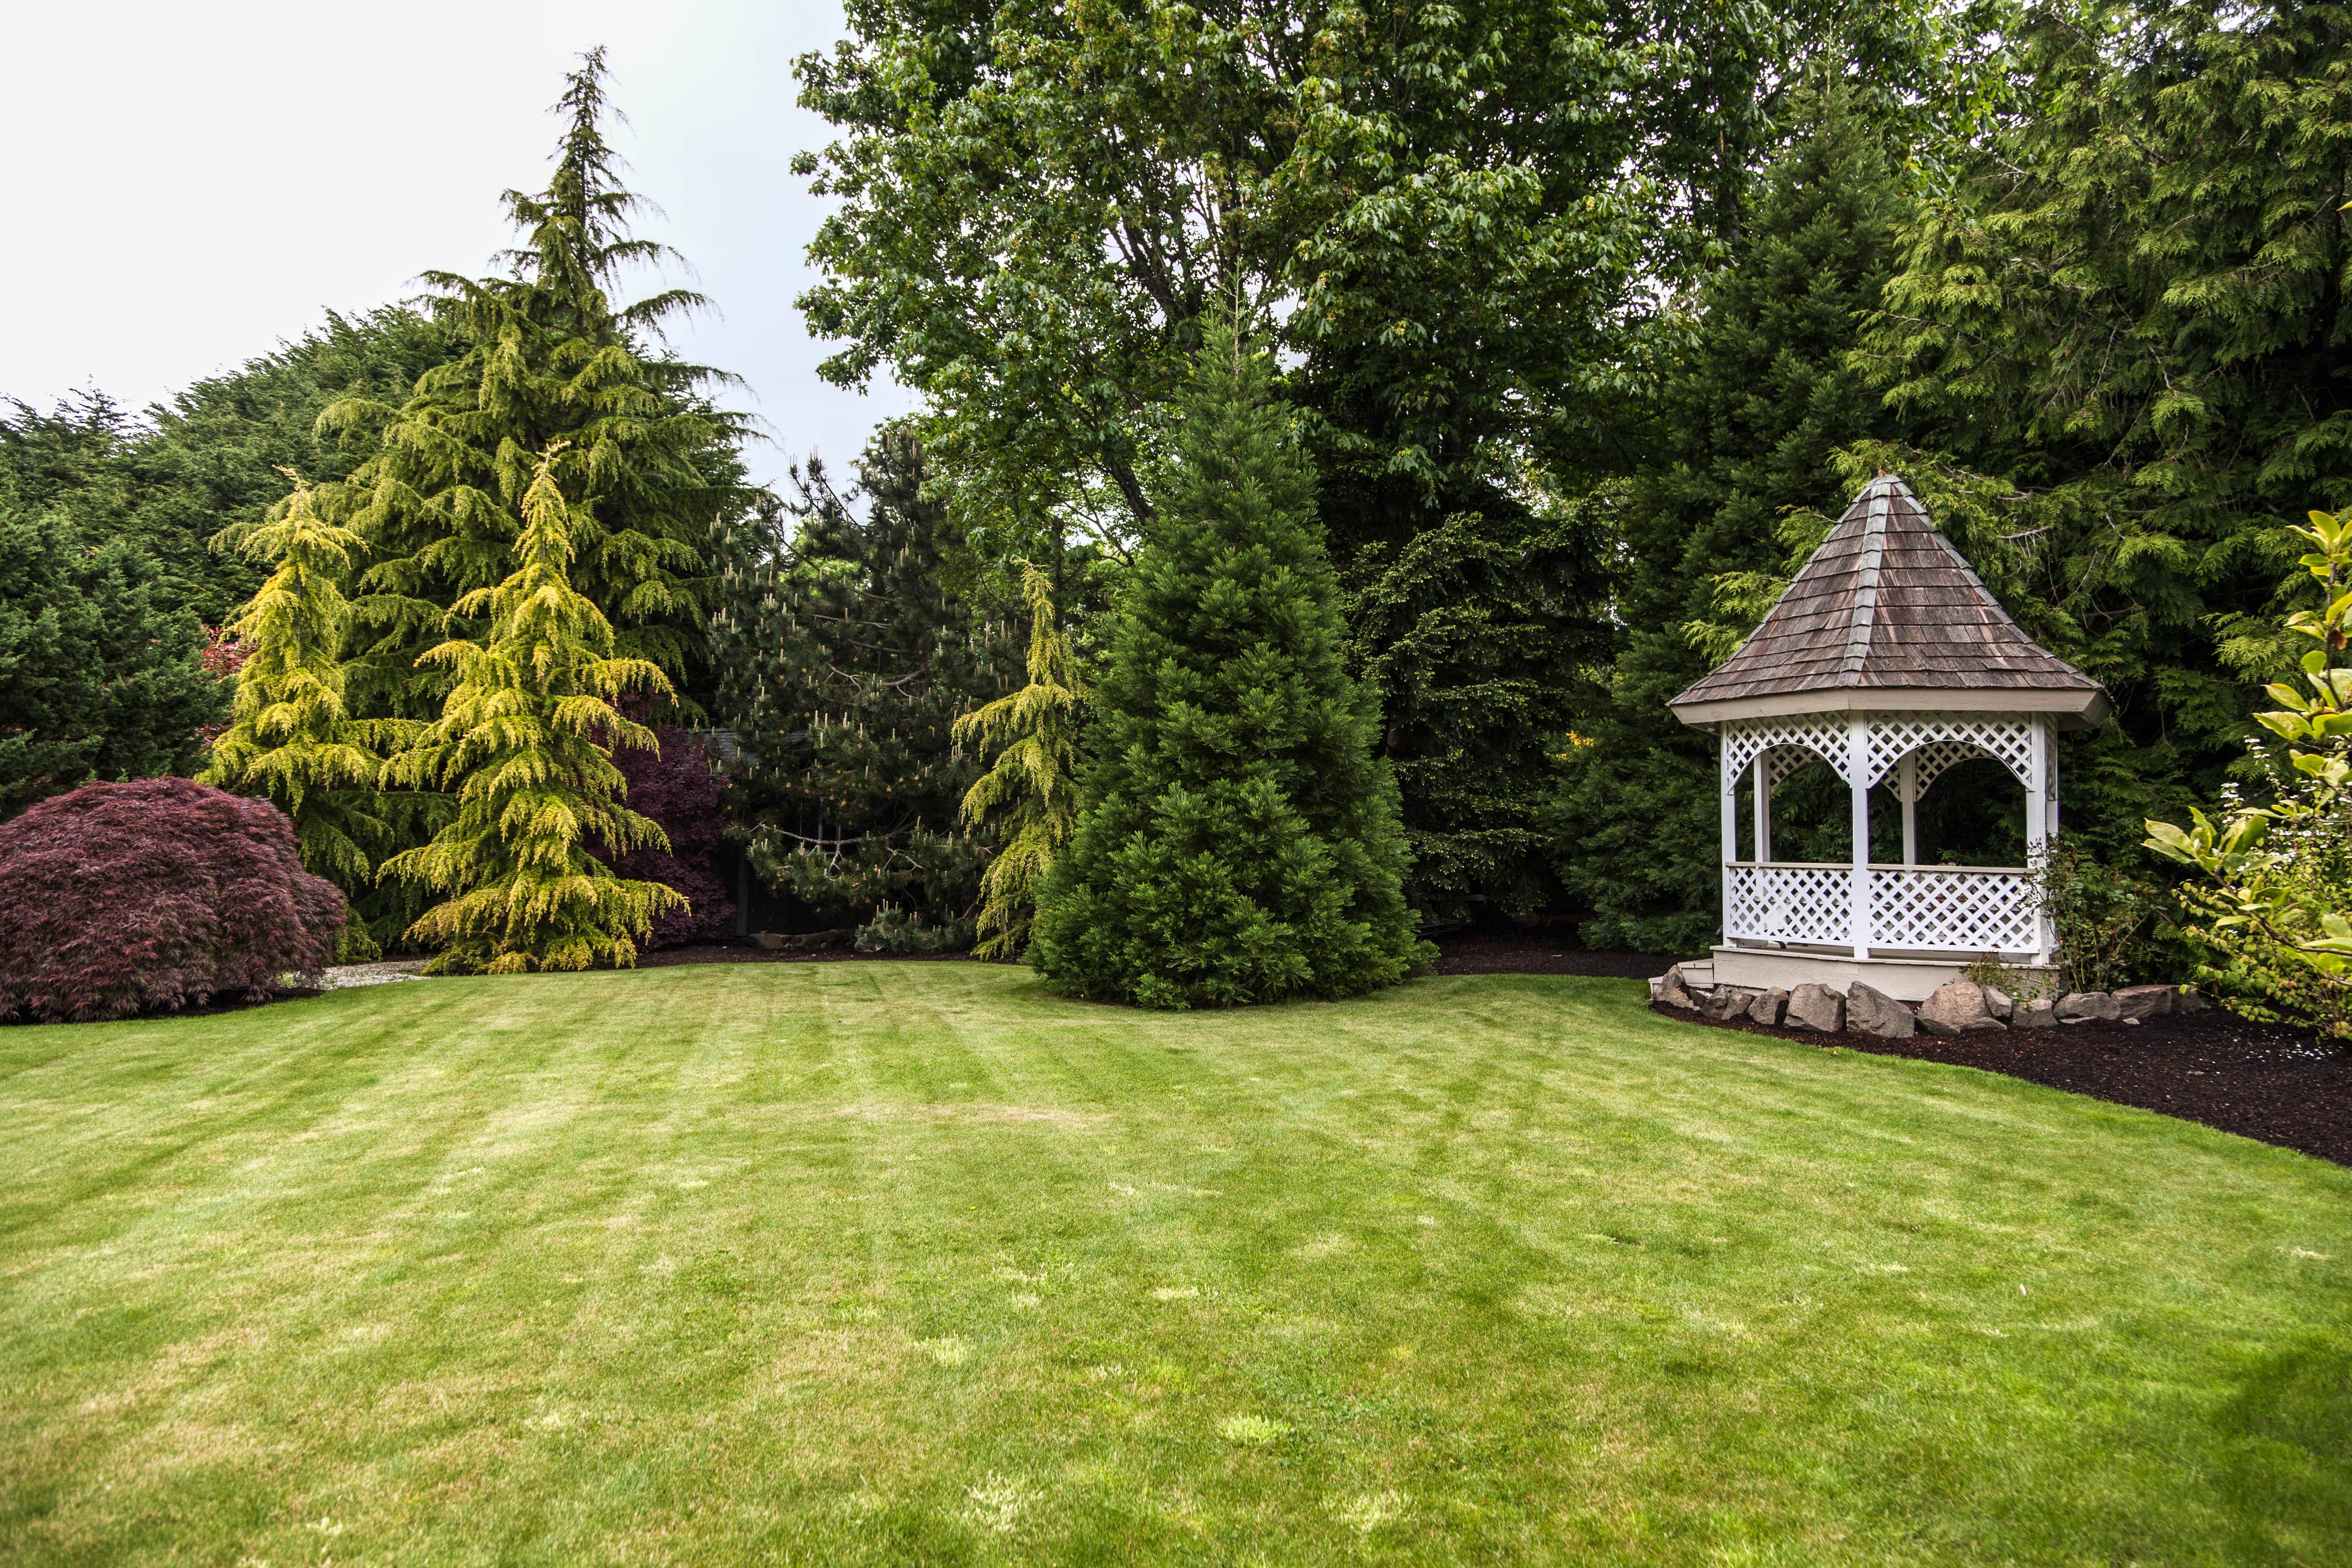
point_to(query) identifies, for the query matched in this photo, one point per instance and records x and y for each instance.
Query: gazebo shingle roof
(1887, 603)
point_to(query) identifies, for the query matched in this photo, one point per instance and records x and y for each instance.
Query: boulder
(1870, 1011)
(1999, 1002)
(2035, 1012)
(1673, 992)
(1770, 1006)
(2188, 1001)
(1956, 1006)
(1728, 1002)
(1815, 1006)
(2082, 1006)
(2137, 1002)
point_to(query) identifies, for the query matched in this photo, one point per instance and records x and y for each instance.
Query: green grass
(897, 1263)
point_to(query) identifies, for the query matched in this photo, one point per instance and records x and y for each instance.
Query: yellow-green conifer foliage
(290, 739)
(1034, 783)
(523, 740)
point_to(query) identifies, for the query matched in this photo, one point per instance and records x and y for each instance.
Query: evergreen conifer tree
(1032, 788)
(845, 662)
(1240, 843)
(1750, 420)
(549, 361)
(290, 738)
(524, 741)
(100, 666)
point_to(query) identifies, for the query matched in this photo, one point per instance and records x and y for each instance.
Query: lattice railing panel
(2009, 738)
(1775, 902)
(1953, 908)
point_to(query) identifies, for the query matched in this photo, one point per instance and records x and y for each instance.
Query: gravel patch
(343, 976)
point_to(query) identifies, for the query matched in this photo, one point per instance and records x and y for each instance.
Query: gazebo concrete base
(1905, 979)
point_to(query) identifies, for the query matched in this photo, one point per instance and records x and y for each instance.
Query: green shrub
(1240, 843)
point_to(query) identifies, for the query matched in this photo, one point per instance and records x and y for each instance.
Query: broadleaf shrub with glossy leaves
(127, 897)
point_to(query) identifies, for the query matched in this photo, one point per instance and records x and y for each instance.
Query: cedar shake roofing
(1886, 606)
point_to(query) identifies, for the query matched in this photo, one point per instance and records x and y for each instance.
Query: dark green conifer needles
(1240, 843)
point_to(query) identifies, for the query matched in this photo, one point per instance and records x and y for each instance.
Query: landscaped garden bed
(2259, 1080)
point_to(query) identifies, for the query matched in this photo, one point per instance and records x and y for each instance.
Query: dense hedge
(125, 898)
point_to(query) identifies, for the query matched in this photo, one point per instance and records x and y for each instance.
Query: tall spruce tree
(845, 662)
(524, 742)
(1750, 420)
(1240, 843)
(291, 737)
(548, 361)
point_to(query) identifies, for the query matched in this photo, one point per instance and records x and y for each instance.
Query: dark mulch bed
(2259, 1080)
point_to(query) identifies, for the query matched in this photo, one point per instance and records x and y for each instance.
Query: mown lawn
(913, 1263)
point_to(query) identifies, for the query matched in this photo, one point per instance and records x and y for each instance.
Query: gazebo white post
(1857, 765)
(1729, 795)
(1763, 812)
(2041, 821)
(1906, 784)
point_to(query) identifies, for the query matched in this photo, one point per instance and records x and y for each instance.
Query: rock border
(1957, 1006)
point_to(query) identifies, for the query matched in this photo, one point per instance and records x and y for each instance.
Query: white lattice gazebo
(1887, 660)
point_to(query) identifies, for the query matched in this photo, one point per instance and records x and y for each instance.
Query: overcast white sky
(184, 186)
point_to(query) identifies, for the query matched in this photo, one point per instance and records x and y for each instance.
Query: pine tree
(549, 361)
(290, 738)
(1032, 788)
(524, 741)
(1240, 843)
(846, 661)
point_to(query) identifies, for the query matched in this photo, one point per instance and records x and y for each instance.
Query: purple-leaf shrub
(118, 899)
(677, 790)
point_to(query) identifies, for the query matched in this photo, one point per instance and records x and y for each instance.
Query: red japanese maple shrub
(677, 790)
(118, 899)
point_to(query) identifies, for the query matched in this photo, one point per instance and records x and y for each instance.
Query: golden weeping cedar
(292, 739)
(523, 739)
(1032, 787)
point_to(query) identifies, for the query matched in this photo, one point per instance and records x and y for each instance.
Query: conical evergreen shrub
(291, 738)
(1240, 842)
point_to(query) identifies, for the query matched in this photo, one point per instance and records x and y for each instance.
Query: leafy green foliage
(1031, 789)
(845, 663)
(292, 739)
(1425, 206)
(2276, 903)
(523, 740)
(2102, 915)
(546, 362)
(1750, 415)
(2122, 334)
(100, 665)
(1239, 842)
